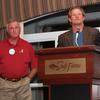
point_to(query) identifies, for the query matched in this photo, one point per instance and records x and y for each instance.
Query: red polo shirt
(15, 61)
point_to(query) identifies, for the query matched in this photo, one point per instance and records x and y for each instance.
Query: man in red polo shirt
(18, 65)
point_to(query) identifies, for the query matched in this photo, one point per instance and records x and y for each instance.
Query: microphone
(76, 36)
(78, 29)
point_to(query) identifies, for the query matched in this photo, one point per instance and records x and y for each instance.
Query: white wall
(41, 37)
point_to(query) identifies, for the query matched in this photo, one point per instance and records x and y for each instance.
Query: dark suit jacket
(89, 37)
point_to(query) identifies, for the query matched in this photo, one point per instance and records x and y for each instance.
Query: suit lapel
(70, 38)
(85, 35)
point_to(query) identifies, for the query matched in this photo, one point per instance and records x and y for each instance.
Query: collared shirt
(79, 38)
(15, 60)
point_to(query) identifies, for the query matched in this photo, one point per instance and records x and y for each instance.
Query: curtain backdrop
(26, 9)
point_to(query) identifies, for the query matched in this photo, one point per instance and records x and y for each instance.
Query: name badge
(11, 51)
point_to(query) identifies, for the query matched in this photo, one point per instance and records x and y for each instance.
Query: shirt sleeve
(34, 58)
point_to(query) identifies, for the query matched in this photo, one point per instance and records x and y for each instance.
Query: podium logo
(64, 66)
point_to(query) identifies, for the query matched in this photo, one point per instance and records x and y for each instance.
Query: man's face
(76, 17)
(13, 29)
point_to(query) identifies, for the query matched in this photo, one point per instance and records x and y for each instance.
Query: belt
(13, 79)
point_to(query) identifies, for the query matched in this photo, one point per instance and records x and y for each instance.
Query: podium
(69, 71)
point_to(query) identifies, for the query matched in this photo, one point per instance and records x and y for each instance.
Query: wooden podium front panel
(69, 68)
(68, 72)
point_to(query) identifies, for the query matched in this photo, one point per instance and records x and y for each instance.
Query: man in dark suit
(79, 34)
